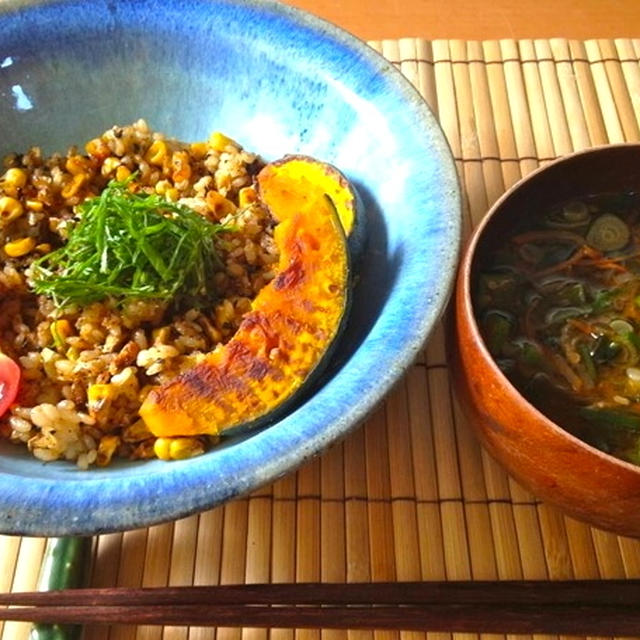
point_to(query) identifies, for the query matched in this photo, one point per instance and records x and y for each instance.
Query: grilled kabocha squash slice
(286, 338)
(316, 178)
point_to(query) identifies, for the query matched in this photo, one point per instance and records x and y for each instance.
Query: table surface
(474, 20)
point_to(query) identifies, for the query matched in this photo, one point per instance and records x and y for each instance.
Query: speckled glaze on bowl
(278, 81)
(554, 465)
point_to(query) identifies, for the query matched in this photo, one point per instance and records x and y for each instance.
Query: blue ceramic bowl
(278, 81)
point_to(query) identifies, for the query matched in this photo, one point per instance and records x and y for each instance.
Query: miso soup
(558, 305)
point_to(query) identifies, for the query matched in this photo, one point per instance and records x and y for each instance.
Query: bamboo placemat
(411, 495)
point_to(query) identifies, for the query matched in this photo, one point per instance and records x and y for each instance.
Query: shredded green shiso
(131, 245)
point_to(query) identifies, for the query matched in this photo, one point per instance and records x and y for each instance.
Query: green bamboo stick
(66, 565)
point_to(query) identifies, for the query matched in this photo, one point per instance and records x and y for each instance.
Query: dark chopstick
(585, 592)
(571, 607)
(550, 619)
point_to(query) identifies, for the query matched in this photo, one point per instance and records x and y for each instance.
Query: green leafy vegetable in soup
(559, 308)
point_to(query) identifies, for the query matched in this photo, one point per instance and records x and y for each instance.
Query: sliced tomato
(9, 382)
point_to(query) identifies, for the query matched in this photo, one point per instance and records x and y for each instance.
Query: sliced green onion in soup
(608, 232)
(621, 327)
(572, 215)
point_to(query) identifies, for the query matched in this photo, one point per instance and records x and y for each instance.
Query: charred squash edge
(177, 408)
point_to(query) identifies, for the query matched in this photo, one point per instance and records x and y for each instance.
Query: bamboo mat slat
(410, 495)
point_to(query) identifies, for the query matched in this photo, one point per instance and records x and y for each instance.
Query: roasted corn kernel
(156, 153)
(106, 449)
(98, 148)
(19, 248)
(247, 196)
(97, 396)
(183, 448)
(162, 186)
(162, 448)
(34, 205)
(15, 177)
(219, 142)
(177, 448)
(73, 186)
(218, 204)
(122, 173)
(198, 150)
(77, 164)
(109, 165)
(10, 210)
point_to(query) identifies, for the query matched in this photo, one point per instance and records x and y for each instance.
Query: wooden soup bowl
(554, 465)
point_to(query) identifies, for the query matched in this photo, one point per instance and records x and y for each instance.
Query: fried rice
(86, 370)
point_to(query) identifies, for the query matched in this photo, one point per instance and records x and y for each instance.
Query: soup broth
(558, 305)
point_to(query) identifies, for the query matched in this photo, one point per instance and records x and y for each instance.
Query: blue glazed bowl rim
(185, 487)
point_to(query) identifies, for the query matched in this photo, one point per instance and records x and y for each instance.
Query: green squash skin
(314, 375)
(357, 239)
